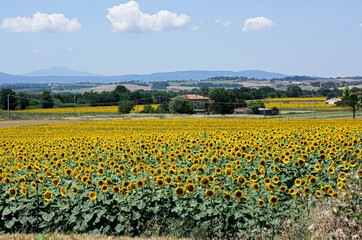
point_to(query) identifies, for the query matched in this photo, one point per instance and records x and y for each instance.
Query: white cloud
(257, 23)
(70, 49)
(223, 23)
(36, 51)
(360, 25)
(129, 18)
(41, 22)
(195, 28)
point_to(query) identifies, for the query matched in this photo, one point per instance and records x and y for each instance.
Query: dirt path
(7, 124)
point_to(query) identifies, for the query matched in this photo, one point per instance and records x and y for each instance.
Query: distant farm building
(266, 111)
(199, 102)
(332, 101)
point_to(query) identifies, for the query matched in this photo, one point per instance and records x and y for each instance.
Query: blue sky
(311, 37)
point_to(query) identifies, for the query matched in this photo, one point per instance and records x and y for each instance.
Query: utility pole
(313, 108)
(264, 105)
(8, 106)
(75, 108)
(159, 100)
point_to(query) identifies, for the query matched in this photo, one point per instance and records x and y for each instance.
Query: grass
(104, 116)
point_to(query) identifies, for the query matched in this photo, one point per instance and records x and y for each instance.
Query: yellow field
(118, 177)
(98, 109)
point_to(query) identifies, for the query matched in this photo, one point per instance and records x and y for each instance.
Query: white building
(332, 101)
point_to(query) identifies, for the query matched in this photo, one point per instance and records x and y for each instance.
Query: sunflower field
(211, 178)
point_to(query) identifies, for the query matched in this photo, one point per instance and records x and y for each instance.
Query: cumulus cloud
(36, 51)
(129, 18)
(360, 25)
(257, 23)
(41, 22)
(223, 23)
(70, 49)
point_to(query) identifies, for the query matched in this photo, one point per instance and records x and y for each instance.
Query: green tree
(293, 91)
(4, 99)
(204, 91)
(46, 100)
(125, 107)
(181, 105)
(224, 101)
(148, 109)
(255, 105)
(24, 101)
(351, 100)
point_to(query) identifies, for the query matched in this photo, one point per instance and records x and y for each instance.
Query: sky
(109, 37)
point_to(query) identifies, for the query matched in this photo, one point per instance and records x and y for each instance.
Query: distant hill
(59, 71)
(50, 76)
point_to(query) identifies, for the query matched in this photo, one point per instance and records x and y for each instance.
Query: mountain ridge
(160, 76)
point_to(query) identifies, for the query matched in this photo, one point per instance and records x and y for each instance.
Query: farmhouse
(332, 101)
(199, 102)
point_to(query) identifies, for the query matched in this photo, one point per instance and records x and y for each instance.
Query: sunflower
(282, 188)
(312, 180)
(160, 182)
(273, 200)
(227, 196)
(292, 191)
(179, 191)
(229, 172)
(255, 187)
(63, 191)
(307, 190)
(55, 182)
(92, 195)
(218, 171)
(115, 189)
(277, 169)
(214, 159)
(13, 192)
(205, 181)
(104, 188)
(109, 182)
(100, 182)
(318, 193)
(254, 177)
(141, 183)
(75, 190)
(275, 180)
(342, 176)
(209, 193)
(41, 178)
(330, 192)
(260, 202)
(48, 196)
(241, 180)
(238, 194)
(267, 181)
(33, 185)
(24, 191)
(190, 188)
(330, 170)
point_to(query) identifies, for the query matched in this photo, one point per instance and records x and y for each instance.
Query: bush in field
(125, 107)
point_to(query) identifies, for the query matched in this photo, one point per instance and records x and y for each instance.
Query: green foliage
(255, 105)
(181, 105)
(224, 101)
(46, 100)
(125, 107)
(352, 100)
(4, 99)
(293, 91)
(148, 109)
(160, 85)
